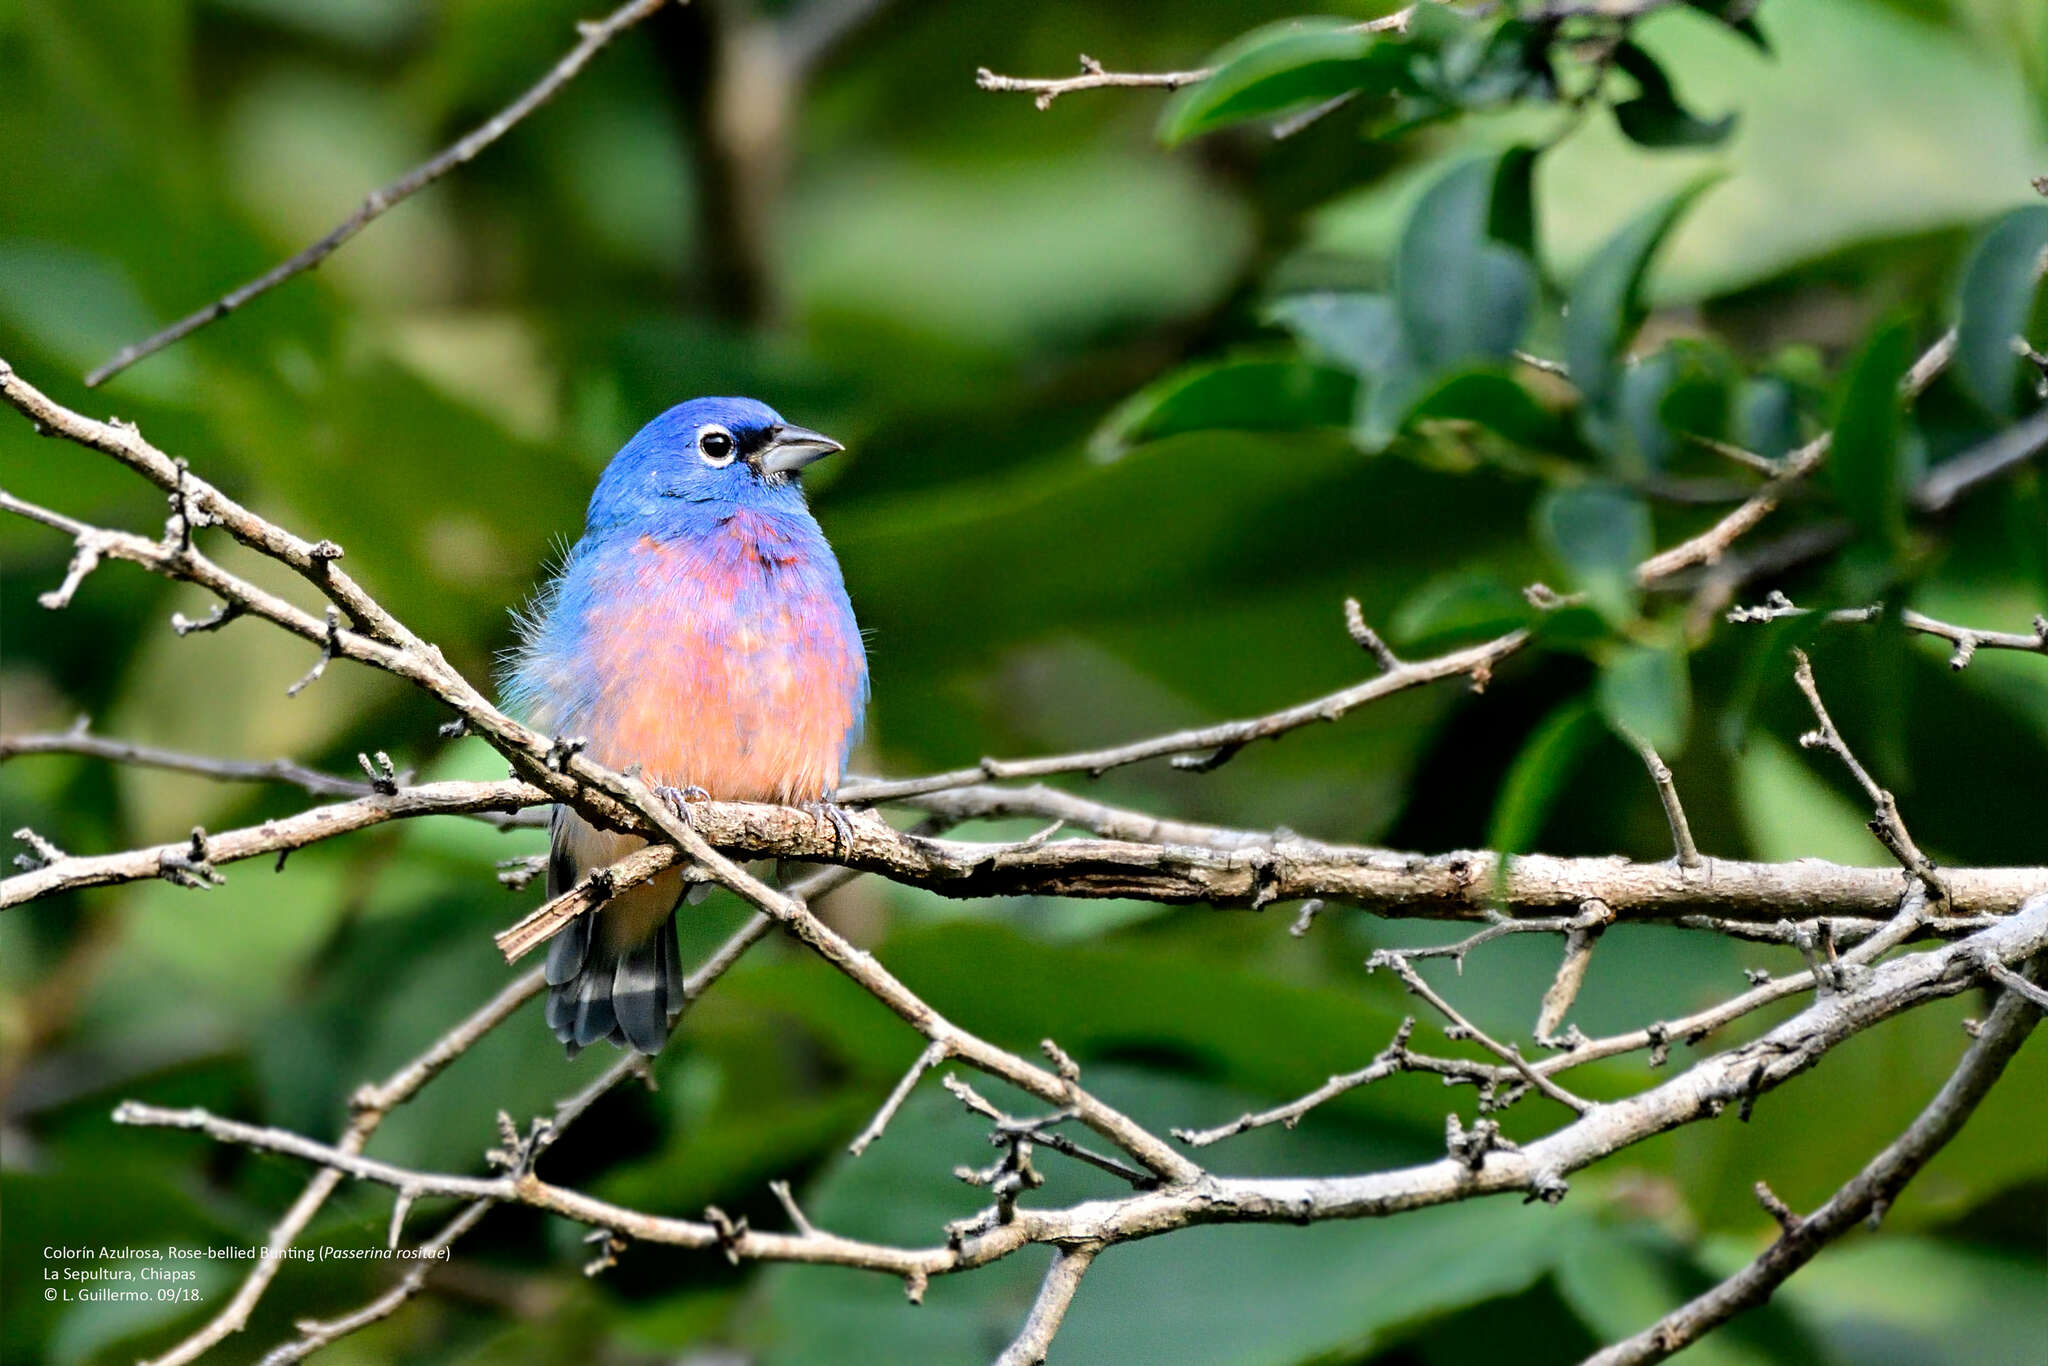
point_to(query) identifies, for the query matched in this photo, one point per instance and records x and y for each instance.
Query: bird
(701, 630)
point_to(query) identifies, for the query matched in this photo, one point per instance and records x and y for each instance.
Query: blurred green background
(963, 289)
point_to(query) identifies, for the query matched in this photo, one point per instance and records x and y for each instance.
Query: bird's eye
(716, 445)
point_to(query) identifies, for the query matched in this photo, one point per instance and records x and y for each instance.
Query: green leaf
(1260, 395)
(1655, 118)
(1459, 605)
(1647, 690)
(1606, 304)
(1276, 70)
(1362, 332)
(1356, 330)
(1767, 417)
(1736, 14)
(1624, 1279)
(1477, 66)
(1996, 297)
(1971, 1306)
(1538, 774)
(1599, 533)
(1865, 464)
(1464, 285)
(1495, 402)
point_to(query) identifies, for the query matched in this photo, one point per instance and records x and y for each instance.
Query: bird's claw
(842, 830)
(679, 798)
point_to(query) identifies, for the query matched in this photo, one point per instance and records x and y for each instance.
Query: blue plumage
(699, 629)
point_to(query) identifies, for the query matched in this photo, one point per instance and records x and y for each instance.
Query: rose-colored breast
(724, 665)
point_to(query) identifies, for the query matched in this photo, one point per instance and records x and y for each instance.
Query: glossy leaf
(1464, 285)
(1538, 775)
(1767, 417)
(1479, 66)
(1260, 395)
(1458, 606)
(1599, 533)
(1496, 402)
(1655, 118)
(1606, 304)
(1997, 295)
(1277, 70)
(1864, 465)
(1647, 690)
(1354, 329)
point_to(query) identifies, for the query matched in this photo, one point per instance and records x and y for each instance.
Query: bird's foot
(679, 799)
(842, 830)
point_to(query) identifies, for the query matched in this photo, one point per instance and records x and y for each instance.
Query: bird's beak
(789, 449)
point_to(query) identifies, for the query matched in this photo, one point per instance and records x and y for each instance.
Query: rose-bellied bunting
(700, 629)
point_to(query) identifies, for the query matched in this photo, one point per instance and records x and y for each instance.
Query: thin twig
(79, 740)
(1887, 824)
(1394, 1058)
(1687, 852)
(1094, 77)
(1711, 544)
(1474, 662)
(1952, 478)
(1462, 1028)
(931, 1057)
(1055, 1293)
(1585, 932)
(594, 36)
(1966, 639)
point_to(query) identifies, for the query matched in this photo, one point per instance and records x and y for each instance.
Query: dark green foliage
(1278, 70)
(1606, 306)
(1301, 355)
(1655, 118)
(1997, 297)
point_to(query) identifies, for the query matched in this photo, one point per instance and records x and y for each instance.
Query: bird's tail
(629, 994)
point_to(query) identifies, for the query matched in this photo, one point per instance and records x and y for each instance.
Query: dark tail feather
(629, 997)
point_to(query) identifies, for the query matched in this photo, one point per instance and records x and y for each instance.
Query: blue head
(723, 452)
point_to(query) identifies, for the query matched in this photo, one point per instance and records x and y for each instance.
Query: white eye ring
(716, 447)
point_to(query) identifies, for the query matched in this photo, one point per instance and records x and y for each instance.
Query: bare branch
(1055, 1293)
(1241, 868)
(1866, 1195)
(1952, 478)
(594, 36)
(1887, 825)
(1687, 852)
(1474, 662)
(315, 1334)
(933, 1055)
(1462, 1028)
(1395, 1057)
(1579, 940)
(1094, 77)
(1711, 544)
(1966, 639)
(292, 832)
(368, 1108)
(1534, 1169)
